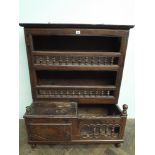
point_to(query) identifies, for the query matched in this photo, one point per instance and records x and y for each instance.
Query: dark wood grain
(95, 26)
(75, 73)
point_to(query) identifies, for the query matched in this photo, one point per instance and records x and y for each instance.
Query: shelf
(77, 68)
(76, 43)
(77, 53)
(77, 78)
(78, 84)
(110, 87)
(76, 61)
(73, 82)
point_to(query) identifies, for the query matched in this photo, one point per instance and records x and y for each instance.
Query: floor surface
(128, 148)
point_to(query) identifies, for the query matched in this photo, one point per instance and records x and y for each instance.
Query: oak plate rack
(75, 74)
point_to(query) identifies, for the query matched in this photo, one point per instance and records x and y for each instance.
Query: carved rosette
(70, 92)
(75, 60)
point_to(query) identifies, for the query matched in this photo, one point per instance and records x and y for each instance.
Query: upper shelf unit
(58, 51)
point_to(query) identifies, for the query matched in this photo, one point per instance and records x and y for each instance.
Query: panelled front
(103, 129)
(48, 129)
(49, 132)
(95, 55)
(93, 123)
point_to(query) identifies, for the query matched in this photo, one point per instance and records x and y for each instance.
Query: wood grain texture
(75, 73)
(95, 26)
(128, 148)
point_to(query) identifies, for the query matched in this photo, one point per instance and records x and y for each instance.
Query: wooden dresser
(75, 74)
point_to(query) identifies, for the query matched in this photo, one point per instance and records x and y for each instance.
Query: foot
(118, 145)
(33, 146)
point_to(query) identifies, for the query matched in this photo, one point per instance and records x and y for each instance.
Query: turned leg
(118, 145)
(33, 146)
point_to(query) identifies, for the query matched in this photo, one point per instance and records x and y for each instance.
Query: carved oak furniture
(75, 74)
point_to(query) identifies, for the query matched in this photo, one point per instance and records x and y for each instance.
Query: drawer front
(49, 132)
(99, 129)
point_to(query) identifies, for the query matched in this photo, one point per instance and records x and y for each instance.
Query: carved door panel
(49, 132)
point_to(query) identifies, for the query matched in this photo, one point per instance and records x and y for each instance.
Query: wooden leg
(33, 146)
(118, 145)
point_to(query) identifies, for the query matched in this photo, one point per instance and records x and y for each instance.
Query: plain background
(144, 75)
(81, 11)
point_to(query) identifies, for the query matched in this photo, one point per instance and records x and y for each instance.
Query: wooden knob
(28, 110)
(125, 107)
